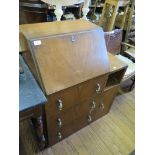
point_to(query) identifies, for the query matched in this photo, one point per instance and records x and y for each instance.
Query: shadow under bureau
(79, 78)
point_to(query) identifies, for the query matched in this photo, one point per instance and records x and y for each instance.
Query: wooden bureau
(70, 62)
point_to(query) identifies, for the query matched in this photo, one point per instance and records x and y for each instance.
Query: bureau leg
(38, 125)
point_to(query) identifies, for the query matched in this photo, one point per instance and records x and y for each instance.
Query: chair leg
(133, 83)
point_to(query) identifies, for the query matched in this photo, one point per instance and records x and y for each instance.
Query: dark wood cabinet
(72, 66)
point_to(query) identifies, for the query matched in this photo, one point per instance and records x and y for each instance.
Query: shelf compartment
(115, 78)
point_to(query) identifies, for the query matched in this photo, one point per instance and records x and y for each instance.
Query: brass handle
(60, 105)
(89, 119)
(98, 89)
(59, 135)
(59, 122)
(102, 106)
(93, 105)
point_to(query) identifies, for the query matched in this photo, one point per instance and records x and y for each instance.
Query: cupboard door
(105, 101)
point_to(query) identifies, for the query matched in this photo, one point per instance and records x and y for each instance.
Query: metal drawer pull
(59, 135)
(93, 105)
(89, 119)
(102, 106)
(60, 104)
(73, 38)
(59, 122)
(98, 89)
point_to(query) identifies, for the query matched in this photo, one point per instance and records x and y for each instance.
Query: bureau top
(38, 30)
(115, 63)
(66, 53)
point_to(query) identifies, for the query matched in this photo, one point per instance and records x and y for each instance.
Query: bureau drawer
(85, 108)
(68, 116)
(80, 122)
(92, 87)
(62, 100)
(105, 101)
(83, 121)
(60, 134)
(61, 119)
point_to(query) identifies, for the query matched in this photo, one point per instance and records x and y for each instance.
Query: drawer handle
(93, 105)
(59, 122)
(59, 135)
(98, 89)
(60, 105)
(73, 38)
(89, 119)
(102, 106)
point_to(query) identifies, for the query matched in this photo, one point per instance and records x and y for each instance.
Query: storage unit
(70, 61)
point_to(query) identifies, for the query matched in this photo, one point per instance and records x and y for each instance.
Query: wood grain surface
(66, 53)
(63, 63)
(55, 28)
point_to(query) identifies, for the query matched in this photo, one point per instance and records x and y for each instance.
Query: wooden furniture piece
(31, 101)
(129, 22)
(71, 64)
(109, 13)
(32, 11)
(114, 43)
(129, 26)
(93, 17)
(129, 51)
(59, 3)
(36, 11)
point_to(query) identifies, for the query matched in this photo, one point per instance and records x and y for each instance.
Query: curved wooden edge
(22, 43)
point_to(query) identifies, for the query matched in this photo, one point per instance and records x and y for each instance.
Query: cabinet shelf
(115, 78)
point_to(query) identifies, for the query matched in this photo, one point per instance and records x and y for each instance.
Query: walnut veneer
(70, 61)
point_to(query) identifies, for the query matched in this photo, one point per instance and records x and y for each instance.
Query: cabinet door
(105, 101)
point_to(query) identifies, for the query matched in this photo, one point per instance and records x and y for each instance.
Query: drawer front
(85, 108)
(84, 120)
(80, 122)
(60, 134)
(56, 134)
(62, 119)
(66, 117)
(92, 88)
(105, 101)
(63, 100)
